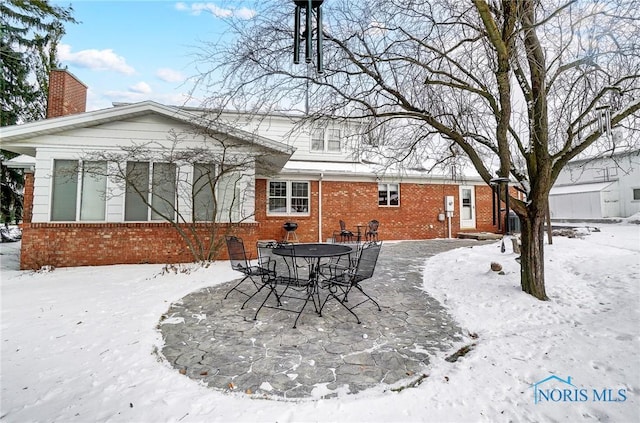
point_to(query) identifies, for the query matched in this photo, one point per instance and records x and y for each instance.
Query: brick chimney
(67, 95)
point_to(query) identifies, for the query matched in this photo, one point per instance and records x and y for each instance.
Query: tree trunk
(532, 255)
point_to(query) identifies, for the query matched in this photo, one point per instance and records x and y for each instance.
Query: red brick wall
(357, 203)
(95, 244)
(67, 95)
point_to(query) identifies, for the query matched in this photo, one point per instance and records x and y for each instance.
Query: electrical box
(448, 203)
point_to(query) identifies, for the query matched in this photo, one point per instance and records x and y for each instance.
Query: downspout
(320, 207)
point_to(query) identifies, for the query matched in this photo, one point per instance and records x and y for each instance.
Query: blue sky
(127, 51)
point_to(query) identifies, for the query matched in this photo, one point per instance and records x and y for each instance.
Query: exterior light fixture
(309, 6)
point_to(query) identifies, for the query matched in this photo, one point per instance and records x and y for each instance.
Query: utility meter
(448, 203)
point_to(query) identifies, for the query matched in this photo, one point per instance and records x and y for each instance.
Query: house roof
(11, 137)
(579, 188)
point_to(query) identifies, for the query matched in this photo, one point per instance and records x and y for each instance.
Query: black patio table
(312, 253)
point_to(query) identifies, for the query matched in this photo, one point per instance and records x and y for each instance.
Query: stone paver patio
(213, 341)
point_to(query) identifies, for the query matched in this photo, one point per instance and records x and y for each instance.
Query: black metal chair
(343, 235)
(342, 282)
(288, 286)
(259, 274)
(372, 230)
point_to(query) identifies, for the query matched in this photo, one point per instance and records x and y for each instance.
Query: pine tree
(29, 33)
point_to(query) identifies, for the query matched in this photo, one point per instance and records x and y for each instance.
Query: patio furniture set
(369, 232)
(295, 274)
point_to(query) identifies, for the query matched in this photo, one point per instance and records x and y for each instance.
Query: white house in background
(598, 188)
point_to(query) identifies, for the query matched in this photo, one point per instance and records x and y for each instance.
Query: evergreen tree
(29, 33)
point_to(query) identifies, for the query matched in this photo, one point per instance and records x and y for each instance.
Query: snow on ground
(77, 344)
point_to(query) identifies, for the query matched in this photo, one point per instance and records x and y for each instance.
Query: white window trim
(288, 198)
(79, 188)
(149, 198)
(388, 195)
(325, 144)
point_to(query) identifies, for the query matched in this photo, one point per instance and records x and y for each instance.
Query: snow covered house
(310, 175)
(598, 188)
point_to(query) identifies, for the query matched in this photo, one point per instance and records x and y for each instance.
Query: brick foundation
(91, 244)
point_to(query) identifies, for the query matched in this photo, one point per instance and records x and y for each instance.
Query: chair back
(372, 231)
(367, 261)
(373, 226)
(237, 253)
(266, 257)
(343, 225)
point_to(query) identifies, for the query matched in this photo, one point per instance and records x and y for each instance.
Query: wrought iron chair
(343, 235)
(259, 274)
(342, 282)
(293, 284)
(372, 230)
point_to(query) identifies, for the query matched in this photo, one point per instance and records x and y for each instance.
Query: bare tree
(200, 188)
(518, 88)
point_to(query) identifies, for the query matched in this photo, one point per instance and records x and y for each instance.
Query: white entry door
(467, 207)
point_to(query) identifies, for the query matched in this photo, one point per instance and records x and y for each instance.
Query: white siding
(285, 130)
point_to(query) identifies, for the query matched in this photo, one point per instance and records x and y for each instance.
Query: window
(65, 190)
(68, 187)
(325, 140)
(317, 140)
(228, 196)
(636, 193)
(388, 195)
(163, 191)
(137, 191)
(288, 197)
(94, 187)
(216, 193)
(333, 140)
(203, 191)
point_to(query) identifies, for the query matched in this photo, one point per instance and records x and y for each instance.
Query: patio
(214, 342)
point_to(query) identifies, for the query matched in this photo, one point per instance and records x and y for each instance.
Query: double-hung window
(288, 197)
(325, 140)
(79, 190)
(160, 192)
(388, 194)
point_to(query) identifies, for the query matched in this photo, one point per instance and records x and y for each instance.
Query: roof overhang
(22, 161)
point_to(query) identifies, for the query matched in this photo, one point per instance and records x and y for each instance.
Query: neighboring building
(598, 188)
(306, 175)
